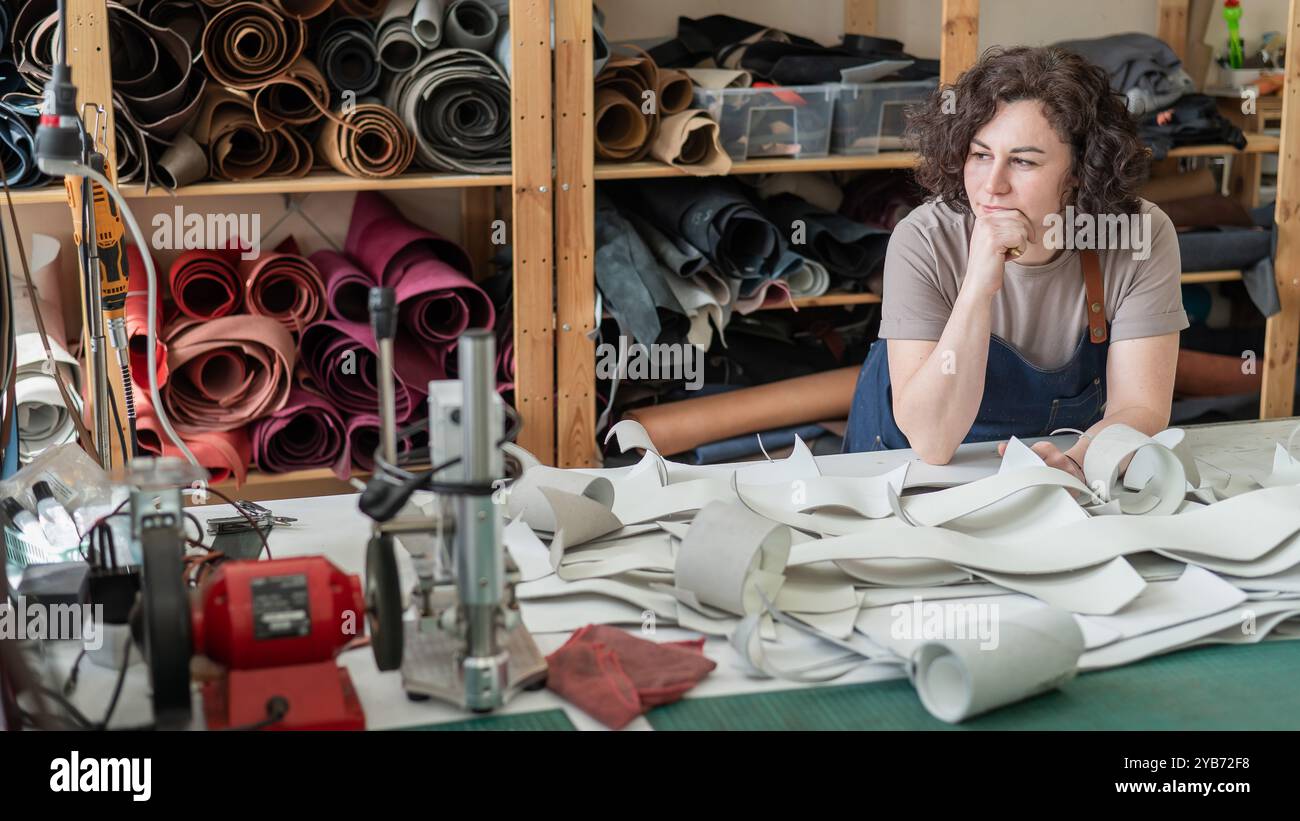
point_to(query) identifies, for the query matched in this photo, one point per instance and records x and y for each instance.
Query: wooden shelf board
(834, 162)
(1255, 144)
(296, 484)
(312, 183)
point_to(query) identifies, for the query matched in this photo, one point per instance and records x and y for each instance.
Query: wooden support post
(477, 212)
(1282, 332)
(859, 16)
(1171, 25)
(575, 214)
(93, 75)
(959, 49)
(530, 157)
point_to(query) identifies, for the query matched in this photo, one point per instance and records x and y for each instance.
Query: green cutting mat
(1239, 687)
(540, 720)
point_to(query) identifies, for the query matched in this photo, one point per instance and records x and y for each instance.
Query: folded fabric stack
(271, 361)
(1159, 92)
(244, 90)
(700, 249)
(936, 573)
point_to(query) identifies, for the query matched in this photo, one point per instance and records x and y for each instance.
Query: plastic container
(870, 117)
(781, 121)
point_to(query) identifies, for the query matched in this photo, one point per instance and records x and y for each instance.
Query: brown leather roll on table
(675, 427)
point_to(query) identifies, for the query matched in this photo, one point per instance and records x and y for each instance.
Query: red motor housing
(254, 614)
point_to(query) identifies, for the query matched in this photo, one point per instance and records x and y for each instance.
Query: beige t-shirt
(1041, 310)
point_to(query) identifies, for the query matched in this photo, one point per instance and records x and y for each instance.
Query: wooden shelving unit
(959, 47)
(311, 184)
(530, 183)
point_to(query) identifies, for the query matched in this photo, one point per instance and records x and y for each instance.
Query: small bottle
(55, 521)
(26, 522)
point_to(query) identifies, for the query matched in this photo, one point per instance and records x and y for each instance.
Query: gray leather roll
(457, 103)
(471, 24)
(426, 22)
(398, 49)
(348, 55)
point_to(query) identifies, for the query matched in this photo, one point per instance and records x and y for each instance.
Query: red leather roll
(226, 372)
(225, 454)
(285, 286)
(206, 284)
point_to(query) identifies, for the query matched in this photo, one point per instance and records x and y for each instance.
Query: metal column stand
(467, 644)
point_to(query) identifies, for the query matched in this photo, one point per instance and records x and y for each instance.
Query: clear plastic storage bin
(785, 121)
(870, 117)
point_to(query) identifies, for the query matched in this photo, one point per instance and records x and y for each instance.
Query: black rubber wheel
(383, 602)
(165, 611)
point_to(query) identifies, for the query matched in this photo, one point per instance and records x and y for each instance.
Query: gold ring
(1014, 253)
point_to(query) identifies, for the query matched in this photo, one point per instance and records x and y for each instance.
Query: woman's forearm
(938, 405)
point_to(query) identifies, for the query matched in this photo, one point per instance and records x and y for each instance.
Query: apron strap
(1092, 284)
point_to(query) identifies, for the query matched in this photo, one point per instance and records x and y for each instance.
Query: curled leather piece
(187, 18)
(348, 56)
(247, 44)
(225, 454)
(367, 9)
(226, 372)
(426, 22)
(341, 358)
(285, 286)
(399, 50)
(306, 433)
(18, 145)
(675, 92)
(368, 142)
(623, 126)
(689, 140)
(298, 96)
(238, 149)
(457, 103)
(303, 9)
(205, 284)
(472, 24)
(293, 155)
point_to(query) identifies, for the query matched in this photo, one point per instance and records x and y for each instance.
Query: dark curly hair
(1109, 160)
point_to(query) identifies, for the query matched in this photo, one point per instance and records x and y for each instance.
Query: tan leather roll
(675, 91)
(675, 427)
(628, 75)
(297, 97)
(689, 140)
(248, 44)
(374, 144)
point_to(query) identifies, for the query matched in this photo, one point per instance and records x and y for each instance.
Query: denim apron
(1019, 399)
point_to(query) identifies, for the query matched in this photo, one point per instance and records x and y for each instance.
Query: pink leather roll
(341, 358)
(363, 441)
(226, 372)
(378, 232)
(306, 433)
(285, 286)
(206, 284)
(225, 454)
(436, 303)
(347, 287)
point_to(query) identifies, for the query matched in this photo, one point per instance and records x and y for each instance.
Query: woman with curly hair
(1001, 317)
